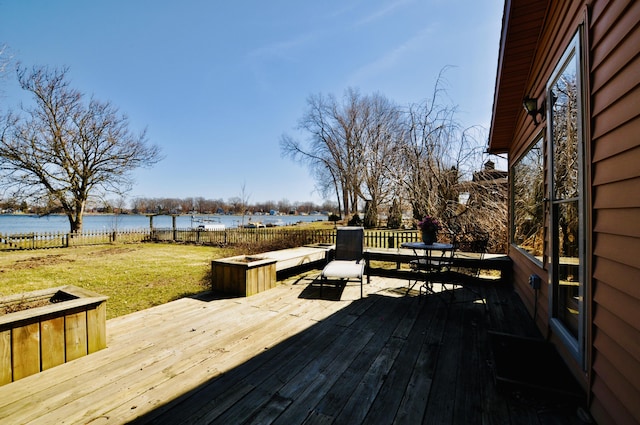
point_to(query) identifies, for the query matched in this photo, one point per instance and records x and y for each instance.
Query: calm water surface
(25, 223)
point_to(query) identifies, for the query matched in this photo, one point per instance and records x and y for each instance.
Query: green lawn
(134, 277)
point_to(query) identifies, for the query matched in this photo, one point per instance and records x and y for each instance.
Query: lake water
(26, 223)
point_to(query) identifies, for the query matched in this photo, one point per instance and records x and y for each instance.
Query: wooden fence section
(243, 236)
(296, 237)
(21, 241)
(300, 237)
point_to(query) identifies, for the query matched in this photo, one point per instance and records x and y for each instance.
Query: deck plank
(260, 373)
(441, 403)
(368, 386)
(309, 386)
(427, 339)
(353, 393)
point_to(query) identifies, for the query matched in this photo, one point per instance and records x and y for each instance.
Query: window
(567, 224)
(527, 225)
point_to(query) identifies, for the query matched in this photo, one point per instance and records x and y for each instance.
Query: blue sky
(216, 84)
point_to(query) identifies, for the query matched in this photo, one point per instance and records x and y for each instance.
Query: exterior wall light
(530, 105)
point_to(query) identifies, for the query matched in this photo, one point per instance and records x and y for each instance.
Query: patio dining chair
(349, 261)
(479, 245)
(476, 243)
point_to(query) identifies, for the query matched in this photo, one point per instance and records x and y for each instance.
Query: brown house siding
(612, 43)
(615, 108)
(523, 267)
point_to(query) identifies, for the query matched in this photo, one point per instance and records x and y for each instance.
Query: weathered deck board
(286, 356)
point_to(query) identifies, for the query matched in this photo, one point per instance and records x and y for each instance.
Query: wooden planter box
(243, 275)
(70, 323)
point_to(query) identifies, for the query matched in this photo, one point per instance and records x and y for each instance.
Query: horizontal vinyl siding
(523, 267)
(618, 168)
(609, 408)
(615, 129)
(622, 249)
(613, 45)
(617, 141)
(619, 194)
(618, 221)
(618, 113)
(613, 90)
(609, 297)
(623, 340)
(625, 278)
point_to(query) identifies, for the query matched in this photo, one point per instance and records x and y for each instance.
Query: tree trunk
(75, 223)
(345, 200)
(76, 216)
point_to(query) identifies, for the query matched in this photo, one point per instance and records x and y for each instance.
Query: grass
(133, 276)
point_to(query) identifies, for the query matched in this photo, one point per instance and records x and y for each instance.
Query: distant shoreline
(33, 223)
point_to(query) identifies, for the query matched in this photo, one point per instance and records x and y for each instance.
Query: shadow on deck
(388, 358)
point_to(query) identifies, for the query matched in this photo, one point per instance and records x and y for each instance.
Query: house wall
(613, 127)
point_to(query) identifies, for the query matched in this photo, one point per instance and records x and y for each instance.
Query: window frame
(576, 345)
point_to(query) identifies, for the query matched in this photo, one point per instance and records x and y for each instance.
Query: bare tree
(244, 200)
(63, 149)
(382, 122)
(368, 149)
(436, 155)
(284, 205)
(334, 151)
(349, 147)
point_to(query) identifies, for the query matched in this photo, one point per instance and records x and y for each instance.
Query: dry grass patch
(134, 277)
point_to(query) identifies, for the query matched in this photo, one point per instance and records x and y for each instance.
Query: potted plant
(429, 227)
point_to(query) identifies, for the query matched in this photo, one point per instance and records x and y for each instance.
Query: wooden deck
(287, 357)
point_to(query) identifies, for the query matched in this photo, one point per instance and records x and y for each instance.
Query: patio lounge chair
(349, 262)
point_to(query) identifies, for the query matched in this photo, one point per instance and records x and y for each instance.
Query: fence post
(173, 225)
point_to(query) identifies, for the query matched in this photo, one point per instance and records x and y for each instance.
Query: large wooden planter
(243, 275)
(71, 323)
